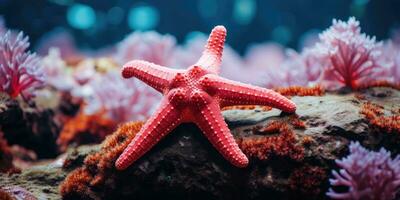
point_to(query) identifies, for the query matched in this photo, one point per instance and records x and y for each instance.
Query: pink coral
(150, 46)
(350, 57)
(20, 71)
(391, 57)
(297, 70)
(367, 174)
(123, 100)
(57, 73)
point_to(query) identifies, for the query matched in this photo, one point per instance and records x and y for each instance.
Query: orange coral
(308, 179)
(296, 122)
(99, 165)
(381, 83)
(281, 144)
(83, 129)
(375, 116)
(301, 91)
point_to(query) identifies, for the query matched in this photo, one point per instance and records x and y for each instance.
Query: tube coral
(20, 71)
(367, 175)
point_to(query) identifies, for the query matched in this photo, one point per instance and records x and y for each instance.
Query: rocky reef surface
(291, 156)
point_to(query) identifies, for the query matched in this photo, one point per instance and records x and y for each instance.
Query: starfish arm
(152, 74)
(212, 55)
(166, 118)
(236, 93)
(212, 124)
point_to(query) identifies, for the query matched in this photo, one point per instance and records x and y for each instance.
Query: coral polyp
(20, 70)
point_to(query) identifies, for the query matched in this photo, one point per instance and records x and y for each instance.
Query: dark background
(284, 21)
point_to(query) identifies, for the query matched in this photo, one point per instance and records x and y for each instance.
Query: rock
(32, 127)
(184, 165)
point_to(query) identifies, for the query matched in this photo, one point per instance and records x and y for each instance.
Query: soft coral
(19, 69)
(350, 57)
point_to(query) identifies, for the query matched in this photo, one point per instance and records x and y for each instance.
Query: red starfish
(196, 95)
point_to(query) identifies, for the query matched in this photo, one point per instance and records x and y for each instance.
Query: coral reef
(367, 174)
(84, 129)
(20, 71)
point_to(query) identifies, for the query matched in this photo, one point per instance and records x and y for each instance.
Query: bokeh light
(281, 34)
(81, 16)
(115, 15)
(143, 17)
(244, 11)
(207, 8)
(193, 35)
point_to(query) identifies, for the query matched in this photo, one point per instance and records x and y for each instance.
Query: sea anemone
(20, 71)
(367, 174)
(349, 57)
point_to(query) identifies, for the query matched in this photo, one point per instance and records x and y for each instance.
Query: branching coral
(350, 57)
(98, 166)
(20, 71)
(280, 141)
(375, 116)
(367, 174)
(83, 129)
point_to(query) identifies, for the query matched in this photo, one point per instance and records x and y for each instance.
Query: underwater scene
(200, 99)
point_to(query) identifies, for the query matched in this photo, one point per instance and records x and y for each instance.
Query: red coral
(282, 144)
(308, 180)
(375, 116)
(97, 166)
(83, 129)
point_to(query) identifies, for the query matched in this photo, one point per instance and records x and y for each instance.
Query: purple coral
(350, 57)
(367, 174)
(150, 46)
(123, 100)
(20, 71)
